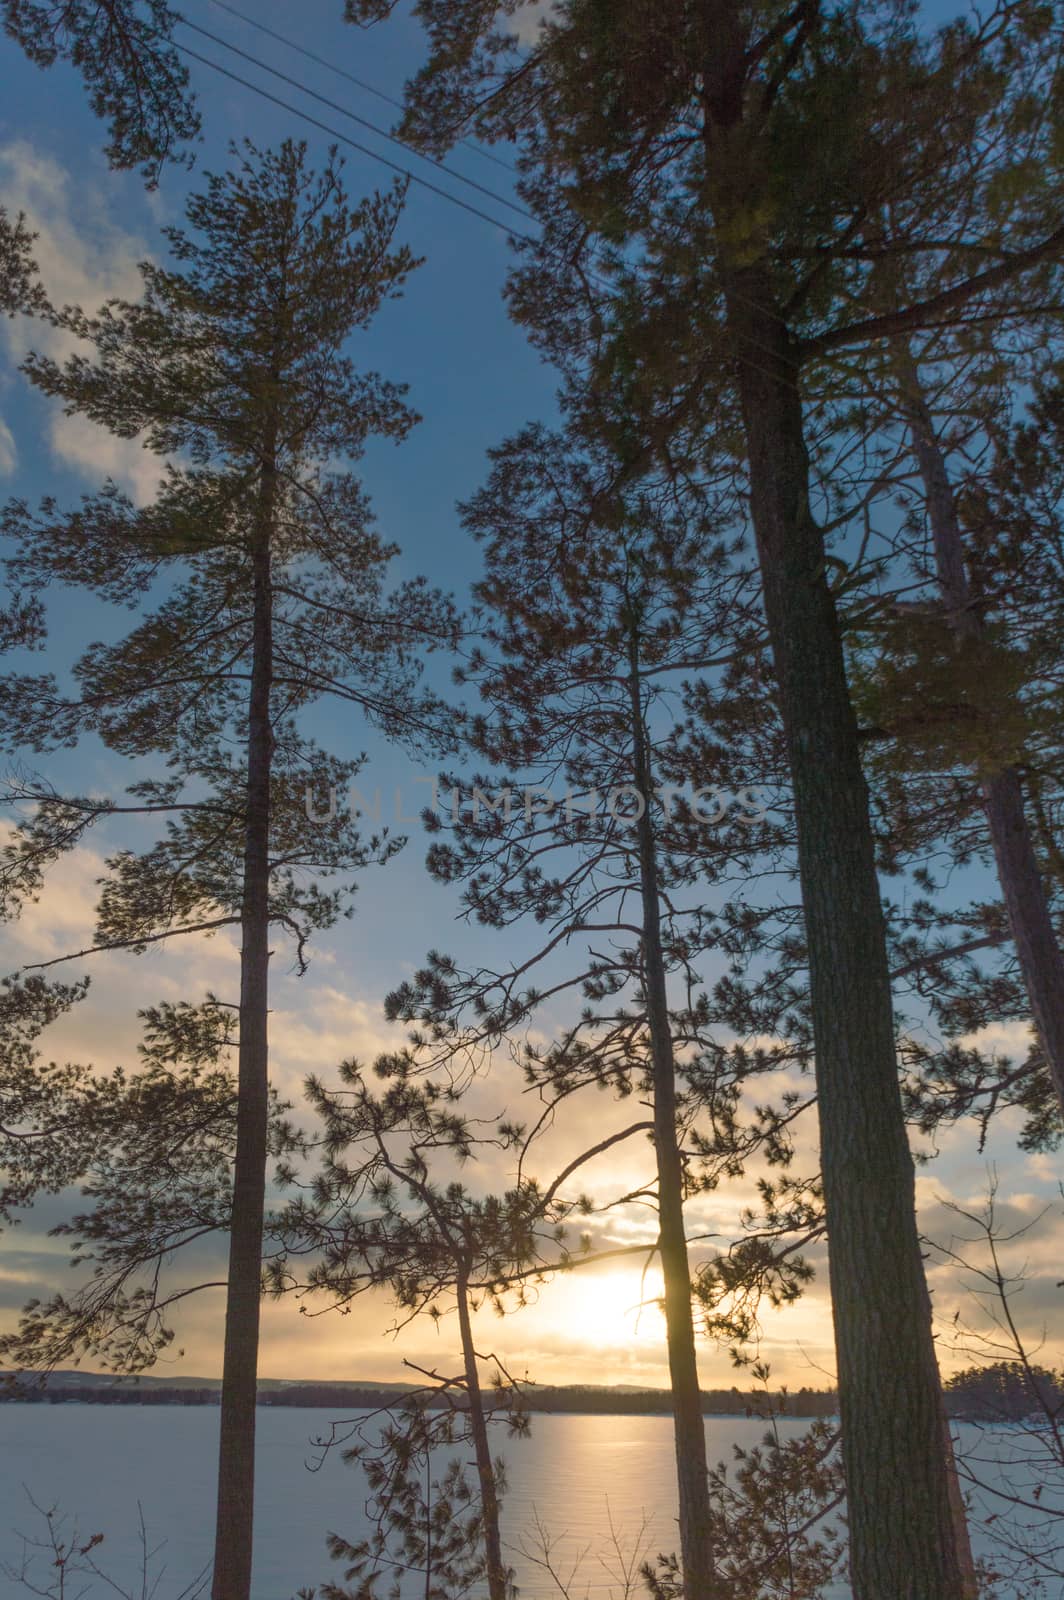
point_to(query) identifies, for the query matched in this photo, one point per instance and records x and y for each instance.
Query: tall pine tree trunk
(236, 1456)
(903, 1542)
(689, 1429)
(1026, 901)
(478, 1427)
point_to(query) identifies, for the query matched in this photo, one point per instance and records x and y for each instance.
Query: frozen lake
(575, 1474)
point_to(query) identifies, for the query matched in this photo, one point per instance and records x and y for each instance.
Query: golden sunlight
(606, 1308)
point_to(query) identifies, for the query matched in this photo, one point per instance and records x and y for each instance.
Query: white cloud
(98, 455)
(525, 23)
(84, 259)
(8, 452)
(566, 1335)
(313, 1027)
(104, 1030)
(62, 919)
(1002, 1038)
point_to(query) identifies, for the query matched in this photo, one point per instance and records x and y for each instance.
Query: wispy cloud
(582, 1326)
(84, 258)
(527, 20)
(8, 452)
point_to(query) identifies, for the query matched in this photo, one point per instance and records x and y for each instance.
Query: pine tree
(976, 646)
(381, 1214)
(20, 288)
(21, 292)
(594, 608)
(234, 361)
(136, 79)
(152, 1152)
(734, 165)
(44, 1137)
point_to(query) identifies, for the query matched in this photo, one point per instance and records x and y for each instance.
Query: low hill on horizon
(74, 1386)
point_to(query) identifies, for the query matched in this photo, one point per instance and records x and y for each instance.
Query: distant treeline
(1005, 1392)
(109, 1395)
(343, 1396)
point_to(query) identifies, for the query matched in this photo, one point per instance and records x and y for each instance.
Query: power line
(353, 116)
(353, 144)
(341, 72)
(374, 155)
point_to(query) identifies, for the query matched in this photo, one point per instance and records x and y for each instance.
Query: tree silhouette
(275, 596)
(738, 175)
(379, 1214)
(594, 609)
(136, 80)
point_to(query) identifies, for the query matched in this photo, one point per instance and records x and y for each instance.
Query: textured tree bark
(236, 1452)
(965, 1555)
(489, 1495)
(903, 1543)
(699, 1579)
(1026, 901)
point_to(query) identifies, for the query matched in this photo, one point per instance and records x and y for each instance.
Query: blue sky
(474, 379)
(472, 376)
(471, 373)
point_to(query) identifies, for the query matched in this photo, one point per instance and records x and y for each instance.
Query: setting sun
(601, 1308)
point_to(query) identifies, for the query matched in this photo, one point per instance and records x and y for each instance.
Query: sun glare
(604, 1308)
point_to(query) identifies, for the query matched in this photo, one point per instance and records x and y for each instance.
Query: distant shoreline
(572, 1399)
(993, 1395)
